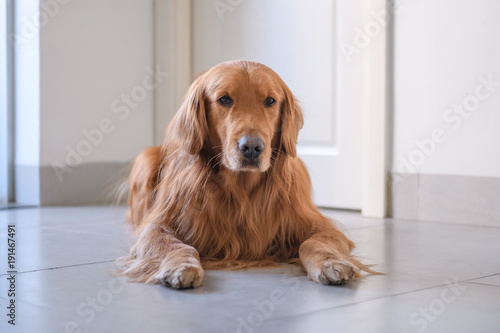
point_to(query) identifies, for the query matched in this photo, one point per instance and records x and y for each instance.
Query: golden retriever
(227, 190)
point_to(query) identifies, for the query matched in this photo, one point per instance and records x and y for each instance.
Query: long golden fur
(199, 202)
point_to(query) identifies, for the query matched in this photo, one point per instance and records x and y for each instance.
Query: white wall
(92, 53)
(84, 95)
(442, 47)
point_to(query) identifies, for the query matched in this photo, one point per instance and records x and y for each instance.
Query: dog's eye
(269, 101)
(225, 100)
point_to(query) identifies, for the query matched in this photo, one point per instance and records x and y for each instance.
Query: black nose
(251, 147)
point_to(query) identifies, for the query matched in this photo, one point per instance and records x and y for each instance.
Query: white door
(298, 39)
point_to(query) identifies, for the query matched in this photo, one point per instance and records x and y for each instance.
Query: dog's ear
(191, 126)
(291, 122)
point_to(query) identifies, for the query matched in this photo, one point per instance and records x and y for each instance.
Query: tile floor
(442, 278)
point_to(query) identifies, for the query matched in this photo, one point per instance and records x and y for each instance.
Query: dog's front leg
(159, 257)
(326, 257)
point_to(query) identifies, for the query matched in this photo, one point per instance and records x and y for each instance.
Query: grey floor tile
(56, 237)
(430, 251)
(84, 295)
(463, 307)
(493, 280)
(23, 322)
(352, 219)
(88, 220)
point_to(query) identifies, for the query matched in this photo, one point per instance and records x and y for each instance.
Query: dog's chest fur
(242, 224)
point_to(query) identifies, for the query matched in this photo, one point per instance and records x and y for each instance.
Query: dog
(226, 189)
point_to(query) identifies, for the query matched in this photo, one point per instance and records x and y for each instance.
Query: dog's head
(242, 113)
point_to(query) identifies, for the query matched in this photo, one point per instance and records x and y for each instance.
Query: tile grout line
(480, 277)
(58, 267)
(355, 303)
(383, 297)
(484, 284)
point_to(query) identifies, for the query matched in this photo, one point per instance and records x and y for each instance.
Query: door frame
(172, 53)
(173, 38)
(376, 97)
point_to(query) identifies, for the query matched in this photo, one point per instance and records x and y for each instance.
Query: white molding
(375, 141)
(172, 53)
(98, 183)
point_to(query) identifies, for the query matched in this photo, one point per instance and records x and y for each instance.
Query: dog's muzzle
(250, 148)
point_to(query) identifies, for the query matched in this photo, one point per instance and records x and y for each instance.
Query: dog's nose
(251, 147)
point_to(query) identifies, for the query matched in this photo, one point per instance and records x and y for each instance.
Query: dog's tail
(363, 267)
(142, 182)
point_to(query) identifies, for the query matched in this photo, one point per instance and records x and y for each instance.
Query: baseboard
(446, 198)
(86, 184)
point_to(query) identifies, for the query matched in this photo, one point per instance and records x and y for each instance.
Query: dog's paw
(332, 271)
(186, 275)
